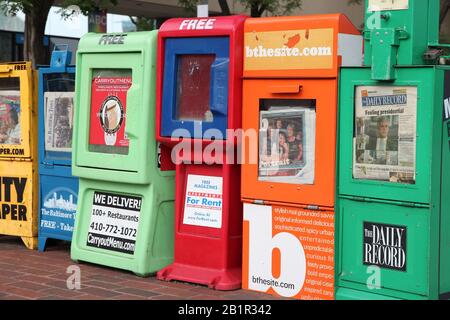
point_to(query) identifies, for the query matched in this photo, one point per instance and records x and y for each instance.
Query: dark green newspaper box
(393, 220)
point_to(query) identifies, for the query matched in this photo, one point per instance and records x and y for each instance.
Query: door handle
(286, 89)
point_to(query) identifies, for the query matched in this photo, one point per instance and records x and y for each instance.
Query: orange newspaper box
(291, 67)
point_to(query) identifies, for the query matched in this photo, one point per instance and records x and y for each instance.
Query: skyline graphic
(60, 203)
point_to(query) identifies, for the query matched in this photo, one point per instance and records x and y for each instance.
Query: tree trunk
(224, 7)
(35, 21)
(254, 10)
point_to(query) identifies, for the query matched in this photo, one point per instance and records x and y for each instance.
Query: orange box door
(292, 159)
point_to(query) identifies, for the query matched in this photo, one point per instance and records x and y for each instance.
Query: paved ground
(26, 274)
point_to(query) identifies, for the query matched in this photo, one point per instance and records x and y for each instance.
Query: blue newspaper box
(58, 189)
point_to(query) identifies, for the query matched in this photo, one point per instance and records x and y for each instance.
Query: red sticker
(108, 109)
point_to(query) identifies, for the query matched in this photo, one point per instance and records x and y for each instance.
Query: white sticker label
(381, 5)
(203, 204)
(114, 222)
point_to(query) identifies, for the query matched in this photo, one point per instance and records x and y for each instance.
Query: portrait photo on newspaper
(287, 145)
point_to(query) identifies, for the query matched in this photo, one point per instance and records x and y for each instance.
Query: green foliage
(11, 7)
(274, 7)
(144, 23)
(189, 5)
(259, 7)
(85, 6)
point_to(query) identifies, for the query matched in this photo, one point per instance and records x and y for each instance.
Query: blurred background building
(120, 19)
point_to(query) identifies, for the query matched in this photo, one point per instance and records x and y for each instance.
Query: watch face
(111, 115)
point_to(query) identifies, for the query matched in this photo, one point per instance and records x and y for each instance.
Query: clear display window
(10, 111)
(193, 87)
(287, 136)
(384, 141)
(109, 90)
(58, 111)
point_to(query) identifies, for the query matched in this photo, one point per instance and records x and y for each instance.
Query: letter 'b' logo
(285, 276)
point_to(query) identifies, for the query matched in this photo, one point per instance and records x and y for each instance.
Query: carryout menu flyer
(108, 108)
(203, 204)
(114, 222)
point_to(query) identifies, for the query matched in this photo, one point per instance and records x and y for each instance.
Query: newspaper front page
(59, 108)
(287, 145)
(385, 134)
(10, 131)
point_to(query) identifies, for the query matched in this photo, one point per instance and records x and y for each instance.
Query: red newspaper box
(199, 98)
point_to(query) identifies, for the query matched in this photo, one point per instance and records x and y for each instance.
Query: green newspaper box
(393, 219)
(125, 215)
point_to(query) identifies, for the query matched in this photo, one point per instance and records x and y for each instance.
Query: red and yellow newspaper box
(290, 90)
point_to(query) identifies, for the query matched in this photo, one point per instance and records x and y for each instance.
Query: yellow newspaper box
(18, 153)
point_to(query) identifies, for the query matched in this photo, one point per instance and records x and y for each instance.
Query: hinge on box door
(258, 201)
(356, 198)
(386, 201)
(413, 205)
(314, 208)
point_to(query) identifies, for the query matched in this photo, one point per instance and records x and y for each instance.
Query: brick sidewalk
(27, 274)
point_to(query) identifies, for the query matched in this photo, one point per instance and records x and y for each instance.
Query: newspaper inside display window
(193, 87)
(58, 112)
(10, 131)
(384, 141)
(109, 89)
(59, 108)
(287, 136)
